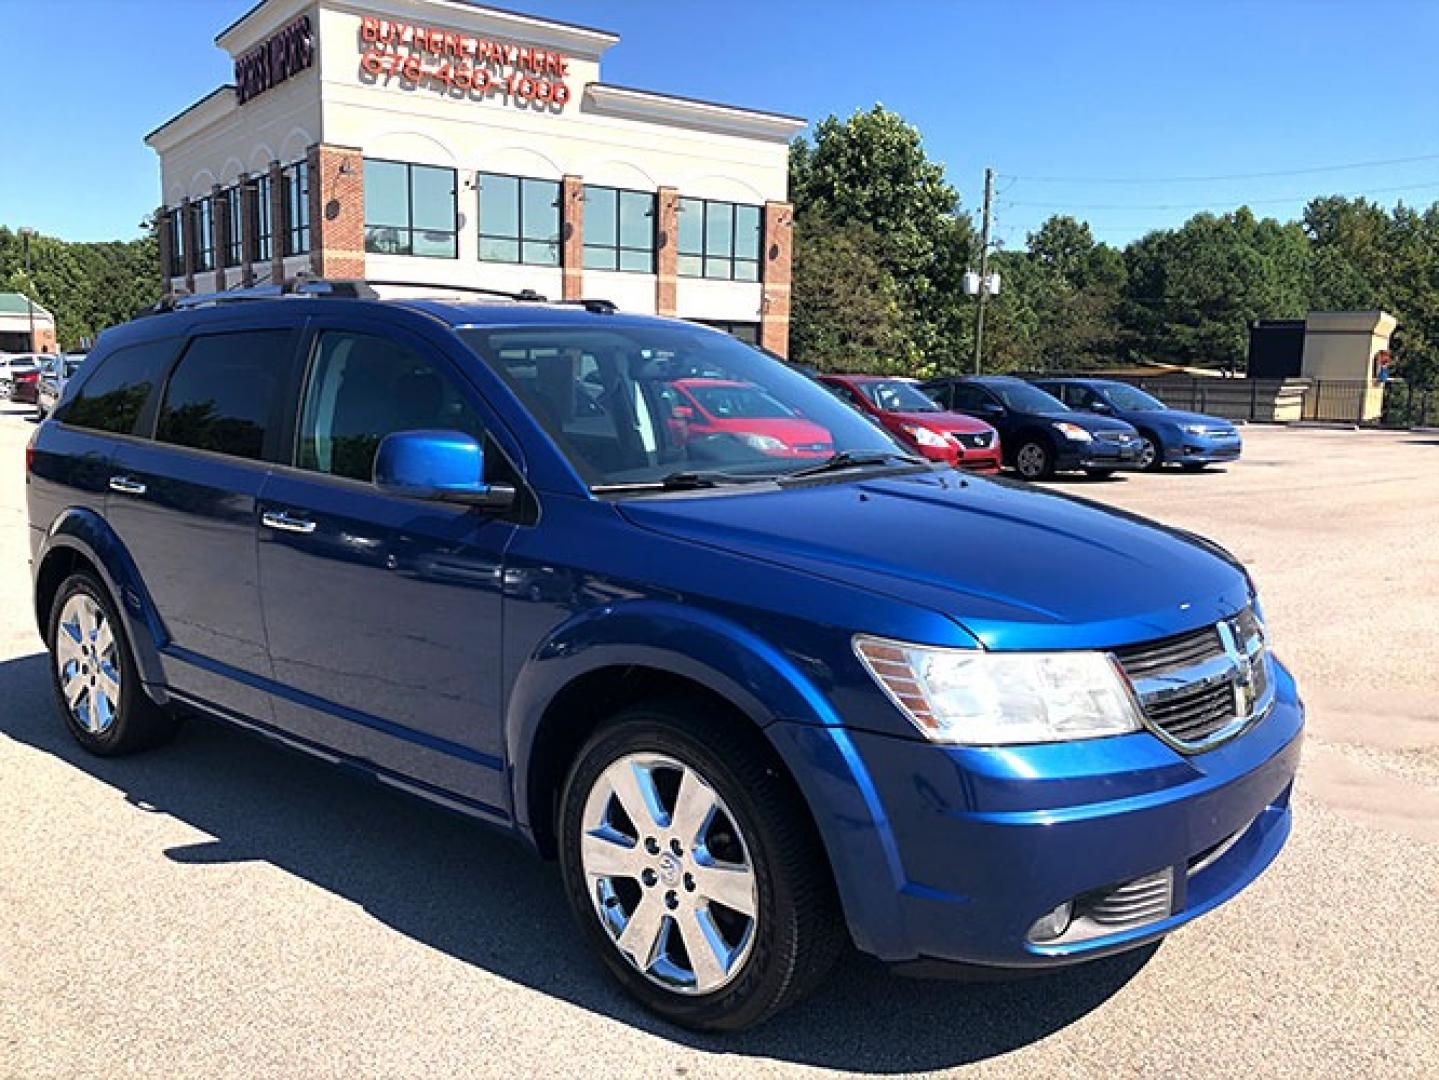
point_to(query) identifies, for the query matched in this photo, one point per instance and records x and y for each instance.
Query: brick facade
(572, 237)
(667, 236)
(279, 224)
(775, 265)
(249, 232)
(163, 217)
(187, 222)
(219, 203)
(337, 211)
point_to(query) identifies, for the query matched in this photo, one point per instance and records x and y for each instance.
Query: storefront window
(233, 234)
(410, 210)
(619, 229)
(202, 214)
(519, 220)
(297, 209)
(718, 240)
(748, 332)
(264, 219)
(176, 225)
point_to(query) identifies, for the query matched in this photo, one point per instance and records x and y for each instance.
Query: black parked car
(1040, 434)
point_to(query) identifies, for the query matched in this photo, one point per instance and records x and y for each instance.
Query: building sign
(286, 53)
(416, 54)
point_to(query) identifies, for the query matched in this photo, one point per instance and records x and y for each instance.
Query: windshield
(1123, 396)
(1022, 397)
(639, 404)
(896, 395)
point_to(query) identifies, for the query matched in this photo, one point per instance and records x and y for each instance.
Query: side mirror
(682, 412)
(990, 408)
(440, 466)
(1097, 406)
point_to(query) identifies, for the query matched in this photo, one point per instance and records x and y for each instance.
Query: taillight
(28, 376)
(30, 452)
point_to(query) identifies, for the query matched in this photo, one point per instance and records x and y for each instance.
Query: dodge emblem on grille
(1244, 695)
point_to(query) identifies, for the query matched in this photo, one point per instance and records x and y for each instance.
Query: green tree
(871, 170)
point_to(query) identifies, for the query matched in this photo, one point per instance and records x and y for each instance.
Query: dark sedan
(1040, 434)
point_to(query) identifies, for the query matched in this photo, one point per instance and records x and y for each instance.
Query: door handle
(278, 519)
(126, 486)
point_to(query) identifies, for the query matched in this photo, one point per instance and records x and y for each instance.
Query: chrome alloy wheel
(669, 873)
(87, 659)
(1147, 452)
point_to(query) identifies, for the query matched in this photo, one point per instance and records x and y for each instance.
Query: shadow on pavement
(458, 887)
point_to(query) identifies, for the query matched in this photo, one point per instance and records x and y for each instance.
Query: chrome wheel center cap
(669, 869)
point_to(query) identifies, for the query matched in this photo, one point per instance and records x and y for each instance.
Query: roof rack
(351, 289)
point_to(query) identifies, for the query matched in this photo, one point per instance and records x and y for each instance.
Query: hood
(1017, 567)
(1179, 416)
(1087, 420)
(942, 421)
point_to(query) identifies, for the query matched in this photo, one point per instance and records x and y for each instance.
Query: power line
(1222, 176)
(1212, 206)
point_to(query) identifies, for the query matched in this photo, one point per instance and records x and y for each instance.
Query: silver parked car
(54, 374)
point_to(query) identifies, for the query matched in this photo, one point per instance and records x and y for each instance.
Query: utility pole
(25, 234)
(983, 271)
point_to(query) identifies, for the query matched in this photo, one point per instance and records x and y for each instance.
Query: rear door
(383, 613)
(184, 504)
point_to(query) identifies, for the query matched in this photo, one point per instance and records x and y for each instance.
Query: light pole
(25, 234)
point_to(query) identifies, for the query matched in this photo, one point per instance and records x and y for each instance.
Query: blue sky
(1129, 91)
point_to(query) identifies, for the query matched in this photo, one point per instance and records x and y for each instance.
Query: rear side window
(224, 392)
(114, 396)
(363, 388)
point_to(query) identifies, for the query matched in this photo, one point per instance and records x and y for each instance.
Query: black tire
(1033, 460)
(138, 723)
(1148, 444)
(1100, 474)
(799, 931)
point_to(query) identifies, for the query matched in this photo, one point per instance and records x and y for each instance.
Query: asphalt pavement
(224, 908)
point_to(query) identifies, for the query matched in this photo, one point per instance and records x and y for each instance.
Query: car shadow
(485, 900)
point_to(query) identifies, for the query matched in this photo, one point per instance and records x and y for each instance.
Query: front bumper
(1097, 455)
(1204, 449)
(952, 854)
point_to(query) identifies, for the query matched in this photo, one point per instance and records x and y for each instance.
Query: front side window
(297, 208)
(619, 230)
(264, 219)
(718, 240)
(224, 392)
(519, 219)
(1124, 396)
(410, 210)
(364, 387)
(202, 214)
(632, 406)
(114, 395)
(1022, 397)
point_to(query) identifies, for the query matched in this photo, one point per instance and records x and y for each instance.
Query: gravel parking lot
(224, 908)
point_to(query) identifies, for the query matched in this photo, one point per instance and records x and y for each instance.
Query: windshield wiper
(854, 459)
(683, 480)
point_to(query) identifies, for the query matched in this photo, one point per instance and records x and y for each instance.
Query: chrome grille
(972, 439)
(1200, 688)
(1114, 436)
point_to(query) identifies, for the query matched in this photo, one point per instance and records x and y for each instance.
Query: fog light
(1048, 927)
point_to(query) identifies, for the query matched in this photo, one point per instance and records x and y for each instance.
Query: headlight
(1074, 432)
(925, 437)
(977, 698)
(1195, 429)
(767, 443)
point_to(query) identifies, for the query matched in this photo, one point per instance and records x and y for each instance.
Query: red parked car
(722, 407)
(20, 377)
(902, 407)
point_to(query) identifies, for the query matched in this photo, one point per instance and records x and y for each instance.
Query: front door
(383, 613)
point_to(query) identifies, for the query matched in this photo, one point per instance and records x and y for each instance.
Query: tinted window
(361, 389)
(223, 393)
(1021, 397)
(968, 398)
(114, 395)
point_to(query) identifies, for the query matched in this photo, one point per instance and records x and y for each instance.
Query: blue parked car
(760, 707)
(1040, 435)
(1167, 436)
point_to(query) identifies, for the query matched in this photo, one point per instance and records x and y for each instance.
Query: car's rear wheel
(694, 870)
(94, 675)
(1149, 456)
(1033, 461)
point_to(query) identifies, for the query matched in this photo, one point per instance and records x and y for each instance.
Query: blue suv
(760, 702)
(1166, 436)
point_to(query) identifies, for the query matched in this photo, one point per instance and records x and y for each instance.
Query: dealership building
(442, 142)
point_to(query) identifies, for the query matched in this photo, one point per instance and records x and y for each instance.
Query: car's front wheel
(1149, 456)
(694, 870)
(1033, 461)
